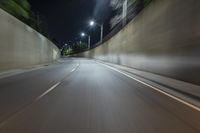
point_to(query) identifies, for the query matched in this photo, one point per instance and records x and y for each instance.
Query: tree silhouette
(18, 8)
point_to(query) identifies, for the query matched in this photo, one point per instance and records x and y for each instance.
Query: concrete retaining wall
(163, 39)
(21, 46)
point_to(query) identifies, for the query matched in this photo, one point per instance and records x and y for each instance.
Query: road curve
(83, 96)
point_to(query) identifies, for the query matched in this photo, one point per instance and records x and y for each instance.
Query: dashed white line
(21, 111)
(49, 90)
(156, 89)
(54, 86)
(37, 99)
(75, 68)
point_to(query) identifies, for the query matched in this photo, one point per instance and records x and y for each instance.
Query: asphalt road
(83, 96)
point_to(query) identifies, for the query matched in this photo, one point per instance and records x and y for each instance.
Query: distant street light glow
(82, 34)
(85, 34)
(91, 23)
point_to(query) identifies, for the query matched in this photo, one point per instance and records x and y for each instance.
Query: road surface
(84, 96)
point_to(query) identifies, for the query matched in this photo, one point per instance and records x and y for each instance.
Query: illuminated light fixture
(82, 34)
(91, 23)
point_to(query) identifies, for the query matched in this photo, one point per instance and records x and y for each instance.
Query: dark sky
(67, 18)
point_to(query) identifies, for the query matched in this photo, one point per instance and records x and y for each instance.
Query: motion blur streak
(97, 100)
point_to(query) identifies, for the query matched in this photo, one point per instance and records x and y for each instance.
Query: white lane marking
(54, 86)
(156, 89)
(37, 99)
(75, 68)
(20, 111)
(46, 92)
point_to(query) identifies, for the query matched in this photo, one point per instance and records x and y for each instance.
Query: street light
(83, 35)
(92, 23)
(124, 12)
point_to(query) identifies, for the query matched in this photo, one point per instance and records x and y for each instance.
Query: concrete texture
(184, 90)
(163, 39)
(21, 46)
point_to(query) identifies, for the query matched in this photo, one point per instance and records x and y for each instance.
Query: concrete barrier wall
(21, 46)
(163, 39)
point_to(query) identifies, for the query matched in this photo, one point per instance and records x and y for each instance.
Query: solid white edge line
(156, 89)
(46, 92)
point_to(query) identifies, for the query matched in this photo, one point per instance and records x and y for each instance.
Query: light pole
(63, 47)
(92, 23)
(89, 40)
(124, 12)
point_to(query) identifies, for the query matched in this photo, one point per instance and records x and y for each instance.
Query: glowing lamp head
(91, 23)
(82, 34)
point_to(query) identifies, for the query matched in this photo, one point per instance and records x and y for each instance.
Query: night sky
(67, 18)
